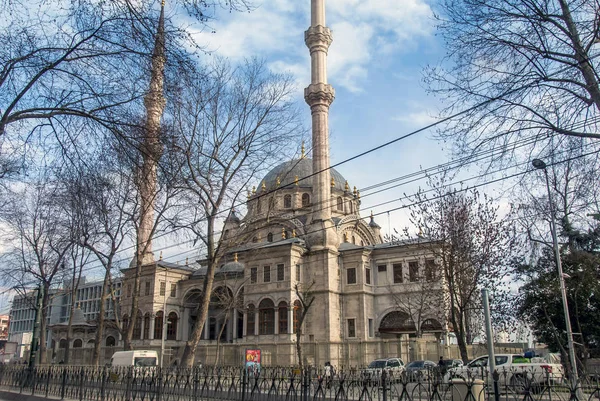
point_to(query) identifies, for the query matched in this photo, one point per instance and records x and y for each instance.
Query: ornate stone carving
(319, 94)
(318, 38)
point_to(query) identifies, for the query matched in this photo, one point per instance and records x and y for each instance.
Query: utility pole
(33, 348)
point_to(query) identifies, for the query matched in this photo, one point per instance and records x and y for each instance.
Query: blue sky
(375, 64)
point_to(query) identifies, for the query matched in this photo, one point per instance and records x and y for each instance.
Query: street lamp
(540, 165)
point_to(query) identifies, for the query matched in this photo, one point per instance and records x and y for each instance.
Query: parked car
(514, 371)
(394, 367)
(452, 363)
(420, 370)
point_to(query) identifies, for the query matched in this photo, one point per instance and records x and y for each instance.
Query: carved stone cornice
(318, 38)
(319, 94)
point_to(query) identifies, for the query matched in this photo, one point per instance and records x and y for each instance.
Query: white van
(138, 358)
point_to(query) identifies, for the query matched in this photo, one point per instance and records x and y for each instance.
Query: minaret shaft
(319, 96)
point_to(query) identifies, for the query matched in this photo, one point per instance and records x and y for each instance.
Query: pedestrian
(329, 372)
(442, 366)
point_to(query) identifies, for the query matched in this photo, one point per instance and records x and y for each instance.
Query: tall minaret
(319, 95)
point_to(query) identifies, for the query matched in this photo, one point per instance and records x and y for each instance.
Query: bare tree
(473, 245)
(535, 63)
(306, 297)
(226, 124)
(40, 241)
(225, 301)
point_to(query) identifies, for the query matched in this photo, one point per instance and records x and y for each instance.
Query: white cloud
(362, 30)
(419, 118)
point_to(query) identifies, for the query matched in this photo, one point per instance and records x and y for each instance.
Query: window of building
(110, 341)
(172, 326)
(270, 237)
(266, 274)
(305, 200)
(367, 275)
(340, 203)
(381, 268)
(253, 274)
(128, 290)
(297, 313)
(137, 328)
(283, 317)
(163, 288)
(158, 325)
(297, 272)
(125, 323)
(397, 273)
(77, 343)
(147, 290)
(413, 271)
(266, 317)
(287, 201)
(250, 319)
(173, 290)
(351, 328)
(146, 326)
(430, 270)
(254, 239)
(371, 328)
(280, 272)
(351, 275)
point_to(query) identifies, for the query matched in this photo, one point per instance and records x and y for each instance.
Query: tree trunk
(101, 318)
(219, 339)
(66, 356)
(127, 346)
(43, 318)
(299, 348)
(189, 352)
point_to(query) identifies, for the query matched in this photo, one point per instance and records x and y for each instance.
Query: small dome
(78, 317)
(372, 223)
(301, 168)
(232, 218)
(231, 267)
(200, 272)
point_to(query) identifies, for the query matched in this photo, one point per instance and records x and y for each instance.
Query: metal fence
(283, 384)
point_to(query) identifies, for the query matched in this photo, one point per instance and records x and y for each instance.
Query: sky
(375, 65)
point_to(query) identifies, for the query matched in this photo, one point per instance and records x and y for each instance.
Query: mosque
(302, 236)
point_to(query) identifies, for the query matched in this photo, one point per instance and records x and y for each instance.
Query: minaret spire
(319, 95)
(151, 146)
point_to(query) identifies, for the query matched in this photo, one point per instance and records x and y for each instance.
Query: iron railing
(286, 384)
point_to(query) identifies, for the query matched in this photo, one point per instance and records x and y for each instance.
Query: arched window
(340, 203)
(351, 207)
(125, 321)
(283, 317)
(53, 344)
(270, 237)
(297, 312)
(77, 343)
(172, 326)
(250, 316)
(266, 317)
(354, 239)
(287, 201)
(146, 326)
(137, 329)
(305, 200)
(254, 239)
(90, 343)
(62, 343)
(110, 341)
(158, 325)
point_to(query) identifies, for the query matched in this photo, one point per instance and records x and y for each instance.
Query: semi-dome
(288, 171)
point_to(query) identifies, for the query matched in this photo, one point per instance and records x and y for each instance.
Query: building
(4, 323)
(301, 231)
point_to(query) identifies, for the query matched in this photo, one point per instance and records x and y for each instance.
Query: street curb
(11, 396)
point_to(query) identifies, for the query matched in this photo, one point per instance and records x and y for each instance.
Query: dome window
(270, 237)
(340, 204)
(305, 200)
(287, 201)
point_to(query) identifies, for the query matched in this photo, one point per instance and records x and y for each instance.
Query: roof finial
(248, 193)
(303, 155)
(293, 233)
(371, 214)
(187, 261)
(332, 182)
(296, 180)
(357, 194)
(355, 191)
(278, 181)
(160, 255)
(283, 236)
(235, 258)
(346, 187)
(263, 186)
(253, 190)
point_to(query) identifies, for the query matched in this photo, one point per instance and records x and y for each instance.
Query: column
(276, 322)
(291, 319)
(151, 332)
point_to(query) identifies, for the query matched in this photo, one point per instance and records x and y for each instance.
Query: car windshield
(415, 364)
(377, 364)
(144, 361)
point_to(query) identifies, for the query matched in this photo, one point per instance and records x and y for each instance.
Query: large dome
(286, 172)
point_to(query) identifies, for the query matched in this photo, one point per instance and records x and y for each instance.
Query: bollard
(463, 390)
